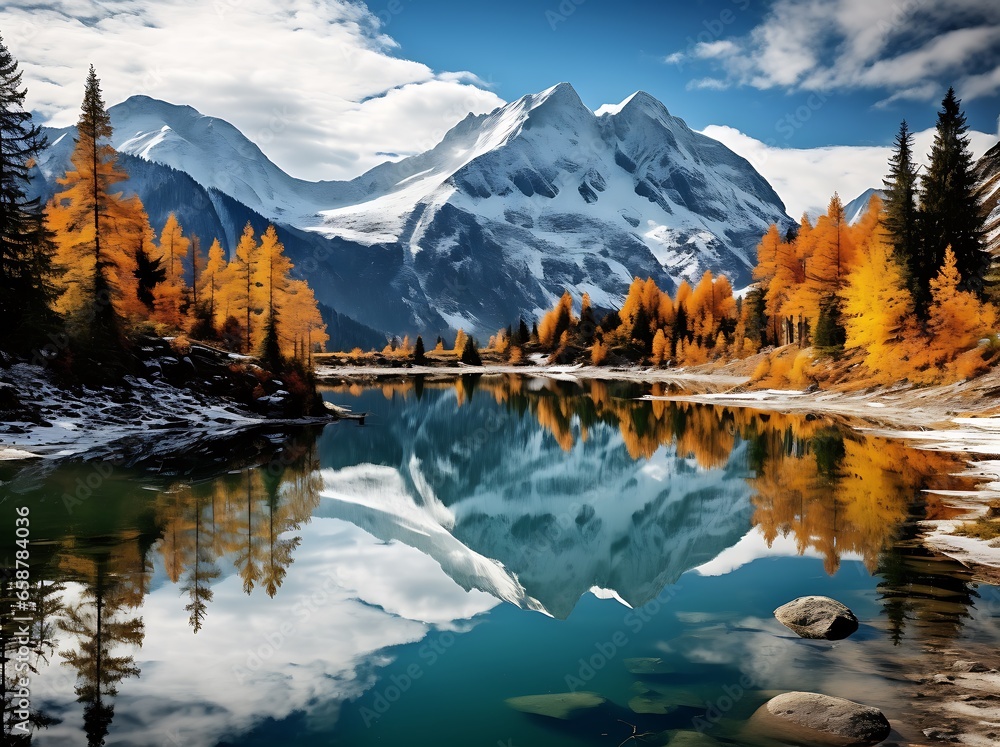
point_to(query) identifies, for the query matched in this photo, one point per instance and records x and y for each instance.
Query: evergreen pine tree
(26, 288)
(419, 356)
(523, 335)
(756, 329)
(901, 207)
(470, 356)
(270, 346)
(949, 210)
(149, 273)
(830, 332)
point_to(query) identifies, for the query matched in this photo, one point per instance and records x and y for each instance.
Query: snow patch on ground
(972, 436)
(74, 423)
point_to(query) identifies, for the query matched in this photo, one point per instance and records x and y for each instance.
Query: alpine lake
(477, 541)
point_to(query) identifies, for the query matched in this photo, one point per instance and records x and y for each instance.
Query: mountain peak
(643, 102)
(560, 91)
(142, 104)
(562, 97)
(640, 101)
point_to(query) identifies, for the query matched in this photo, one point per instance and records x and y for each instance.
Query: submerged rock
(814, 719)
(691, 739)
(648, 665)
(676, 694)
(559, 705)
(817, 617)
(652, 703)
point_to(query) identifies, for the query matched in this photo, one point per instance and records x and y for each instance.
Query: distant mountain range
(511, 208)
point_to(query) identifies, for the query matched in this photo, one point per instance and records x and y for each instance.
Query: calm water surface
(475, 541)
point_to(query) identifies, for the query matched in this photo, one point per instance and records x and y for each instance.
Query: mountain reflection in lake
(480, 539)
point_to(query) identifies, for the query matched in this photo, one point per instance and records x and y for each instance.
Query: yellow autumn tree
(171, 293)
(877, 308)
(556, 321)
(240, 290)
(460, 339)
(632, 306)
(661, 348)
(212, 278)
(598, 352)
(302, 328)
(91, 224)
(136, 281)
(956, 318)
(783, 297)
(834, 251)
(767, 255)
(271, 270)
(867, 228)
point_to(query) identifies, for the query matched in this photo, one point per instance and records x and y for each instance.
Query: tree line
(88, 266)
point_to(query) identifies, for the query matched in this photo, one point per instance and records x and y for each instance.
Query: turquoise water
(477, 541)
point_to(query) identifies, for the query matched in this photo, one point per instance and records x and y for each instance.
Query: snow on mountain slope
(213, 152)
(856, 208)
(550, 195)
(988, 172)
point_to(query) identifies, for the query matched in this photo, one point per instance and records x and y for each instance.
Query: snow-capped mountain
(856, 208)
(988, 172)
(510, 209)
(544, 194)
(212, 151)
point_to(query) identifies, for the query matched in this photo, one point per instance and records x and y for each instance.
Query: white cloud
(322, 73)
(985, 84)
(919, 46)
(675, 59)
(922, 92)
(715, 49)
(707, 84)
(806, 178)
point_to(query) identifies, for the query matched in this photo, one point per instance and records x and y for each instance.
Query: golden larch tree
(170, 298)
(91, 224)
(212, 278)
(877, 308)
(956, 318)
(240, 288)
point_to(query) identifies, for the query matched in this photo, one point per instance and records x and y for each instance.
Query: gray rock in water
(648, 665)
(817, 617)
(815, 719)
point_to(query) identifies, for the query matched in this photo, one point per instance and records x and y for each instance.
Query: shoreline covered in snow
(146, 422)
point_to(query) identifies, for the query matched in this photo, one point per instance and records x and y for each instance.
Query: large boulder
(814, 719)
(817, 617)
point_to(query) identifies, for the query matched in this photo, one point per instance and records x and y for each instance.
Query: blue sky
(810, 91)
(608, 49)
